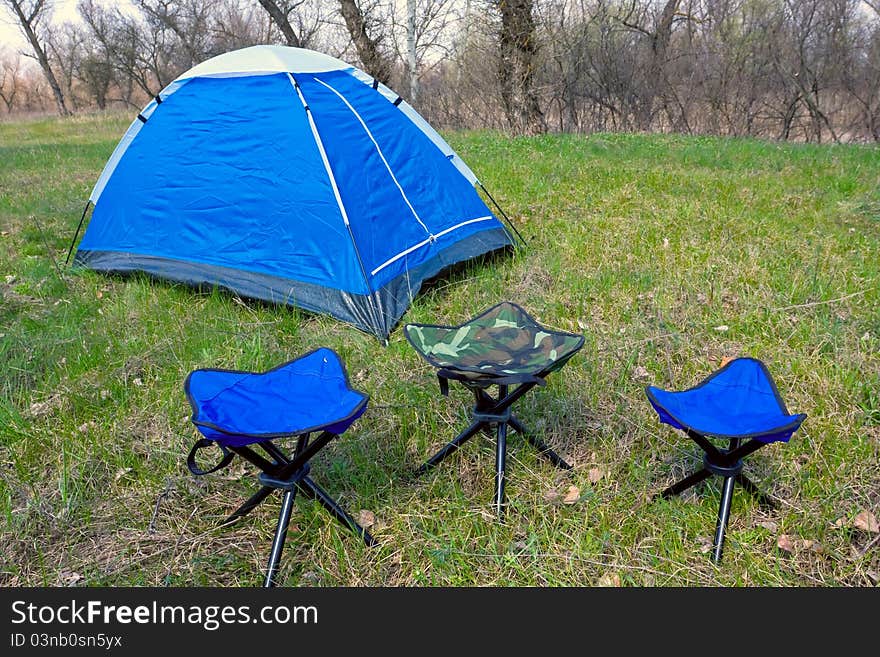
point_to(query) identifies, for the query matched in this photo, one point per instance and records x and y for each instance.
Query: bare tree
(636, 17)
(368, 44)
(10, 80)
(412, 62)
(97, 77)
(29, 14)
(189, 21)
(280, 14)
(65, 48)
(136, 50)
(519, 48)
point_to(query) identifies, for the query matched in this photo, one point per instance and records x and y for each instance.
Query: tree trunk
(657, 81)
(411, 54)
(283, 22)
(375, 63)
(519, 49)
(26, 23)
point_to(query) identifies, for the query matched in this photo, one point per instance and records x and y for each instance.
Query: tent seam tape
(379, 151)
(317, 137)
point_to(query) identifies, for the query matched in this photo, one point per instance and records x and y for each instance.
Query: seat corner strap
(444, 384)
(202, 443)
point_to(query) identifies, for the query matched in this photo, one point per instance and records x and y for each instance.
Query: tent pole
(332, 179)
(503, 214)
(76, 234)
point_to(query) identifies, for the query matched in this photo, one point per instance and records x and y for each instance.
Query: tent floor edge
(393, 298)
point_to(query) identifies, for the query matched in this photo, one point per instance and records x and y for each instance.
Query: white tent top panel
(265, 60)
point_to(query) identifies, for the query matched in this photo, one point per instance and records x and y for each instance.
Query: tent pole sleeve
(503, 213)
(320, 144)
(76, 234)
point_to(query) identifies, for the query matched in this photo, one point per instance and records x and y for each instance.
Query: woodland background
(800, 70)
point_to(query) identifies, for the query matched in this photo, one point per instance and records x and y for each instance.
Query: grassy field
(668, 253)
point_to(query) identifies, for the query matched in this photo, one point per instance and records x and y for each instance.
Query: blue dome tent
(286, 175)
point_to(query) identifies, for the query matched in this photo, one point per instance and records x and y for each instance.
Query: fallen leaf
(572, 496)
(4, 233)
(609, 579)
(594, 475)
(705, 544)
(785, 543)
(309, 577)
(120, 473)
(769, 525)
(665, 242)
(366, 519)
(582, 325)
(10, 279)
(874, 576)
(867, 522)
(726, 360)
(99, 294)
(552, 496)
(137, 382)
(702, 298)
(69, 578)
(722, 328)
(639, 372)
(40, 408)
(840, 522)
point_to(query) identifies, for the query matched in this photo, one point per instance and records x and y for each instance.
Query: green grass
(646, 244)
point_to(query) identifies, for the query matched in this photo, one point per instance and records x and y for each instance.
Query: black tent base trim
(377, 313)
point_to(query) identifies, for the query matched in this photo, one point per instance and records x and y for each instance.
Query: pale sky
(11, 37)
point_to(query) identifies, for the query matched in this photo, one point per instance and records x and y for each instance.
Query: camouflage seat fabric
(503, 342)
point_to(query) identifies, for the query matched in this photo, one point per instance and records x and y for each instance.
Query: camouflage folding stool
(502, 347)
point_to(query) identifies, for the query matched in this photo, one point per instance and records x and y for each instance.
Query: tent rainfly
(286, 175)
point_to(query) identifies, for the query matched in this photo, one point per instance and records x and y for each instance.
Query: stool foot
(280, 535)
(311, 490)
(723, 517)
(539, 444)
(451, 446)
(500, 464)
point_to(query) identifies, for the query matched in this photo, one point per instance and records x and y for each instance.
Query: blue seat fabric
(740, 400)
(310, 393)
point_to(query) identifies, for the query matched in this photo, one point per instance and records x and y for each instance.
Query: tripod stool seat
(308, 394)
(238, 411)
(739, 402)
(502, 346)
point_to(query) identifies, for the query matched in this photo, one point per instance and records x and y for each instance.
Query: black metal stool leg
(723, 517)
(252, 503)
(312, 490)
(539, 444)
(761, 496)
(684, 484)
(500, 464)
(451, 446)
(280, 535)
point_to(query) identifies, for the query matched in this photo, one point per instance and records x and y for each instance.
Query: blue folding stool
(739, 402)
(236, 410)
